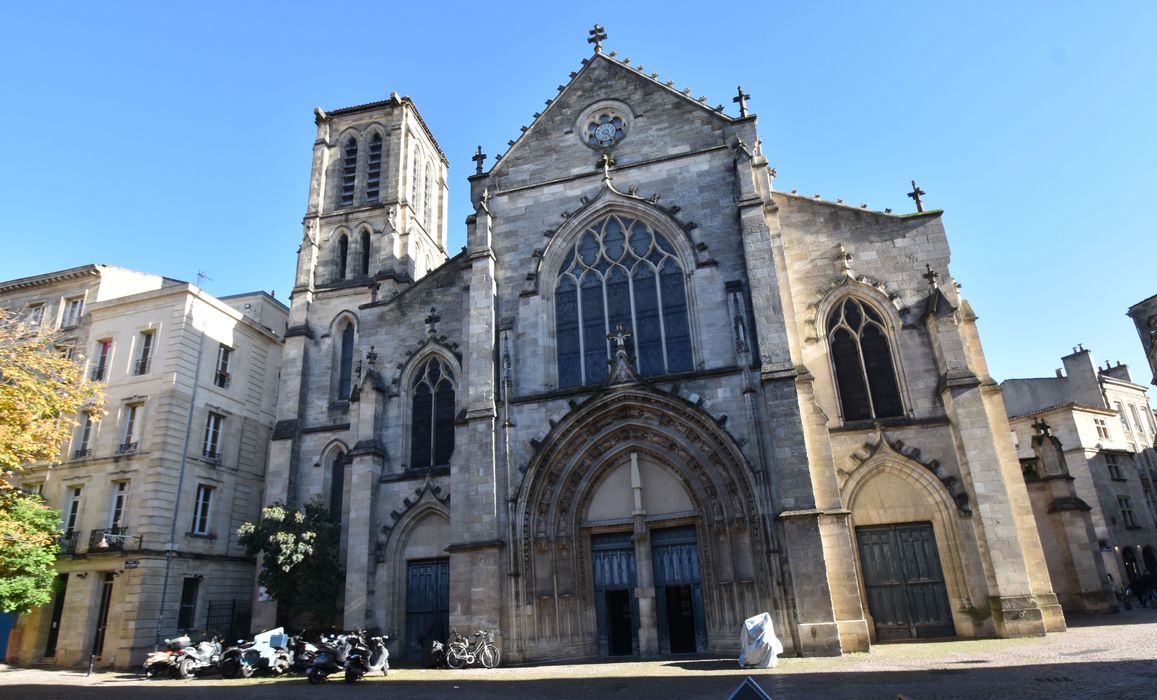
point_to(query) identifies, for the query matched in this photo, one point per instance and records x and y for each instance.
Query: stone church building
(653, 395)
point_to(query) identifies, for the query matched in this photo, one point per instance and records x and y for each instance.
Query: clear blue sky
(177, 138)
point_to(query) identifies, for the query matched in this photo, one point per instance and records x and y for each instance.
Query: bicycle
(461, 652)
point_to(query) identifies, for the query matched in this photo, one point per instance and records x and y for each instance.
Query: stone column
(477, 583)
(801, 475)
(644, 569)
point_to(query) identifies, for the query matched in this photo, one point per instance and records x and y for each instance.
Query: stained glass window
(620, 271)
(862, 355)
(432, 415)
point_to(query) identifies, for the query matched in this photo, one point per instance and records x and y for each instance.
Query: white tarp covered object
(760, 648)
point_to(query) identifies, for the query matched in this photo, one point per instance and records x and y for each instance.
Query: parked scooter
(199, 658)
(301, 653)
(331, 657)
(367, 656)
(267, 652)
(165, 661)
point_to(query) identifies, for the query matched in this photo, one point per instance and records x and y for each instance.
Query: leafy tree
(299, 560)
(41, 393)
(28, 547)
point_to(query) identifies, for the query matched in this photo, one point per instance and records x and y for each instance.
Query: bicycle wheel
(490, 656)
(455, 657)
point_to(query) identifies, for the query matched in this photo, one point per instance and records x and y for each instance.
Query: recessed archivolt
(562, 477)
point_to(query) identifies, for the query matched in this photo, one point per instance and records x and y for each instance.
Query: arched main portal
(638, 531)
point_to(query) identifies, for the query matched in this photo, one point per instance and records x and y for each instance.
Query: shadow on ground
(703, 679)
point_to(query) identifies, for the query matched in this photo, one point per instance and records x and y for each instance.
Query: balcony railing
(81, 453)
(221, 379)
(97, 373)
(113, 539)
(67, 541)
(126, 447)
(141, 366)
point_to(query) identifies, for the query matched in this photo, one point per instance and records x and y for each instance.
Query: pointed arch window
(432, 415)
(349, 171)
(343, 252)
(336, 485)
(427, 197)
(345, 363)
(620, 270)
(374, 169)
(364, 254)
(862, 357)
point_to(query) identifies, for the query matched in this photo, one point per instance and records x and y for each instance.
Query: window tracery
(620, 271)
(432, 400)
(862, 357)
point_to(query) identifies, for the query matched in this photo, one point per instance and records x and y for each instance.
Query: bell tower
(377, 200)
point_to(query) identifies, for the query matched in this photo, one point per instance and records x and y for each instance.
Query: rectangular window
(1121, 415)
(1114, 466)
(120, 500)
(146, 354)
(73, 308)
(132, 427)
(221, 376)
(72, 509)
(211, 450)
(103, 354)
(84, 437)
(34, 314)
(67, 348)
(1126, 511)
(1102, 428)
(188, 609)
(1136, 419)
(201, 509)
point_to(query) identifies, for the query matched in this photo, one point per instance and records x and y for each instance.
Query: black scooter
(367, 656)
(332, 653)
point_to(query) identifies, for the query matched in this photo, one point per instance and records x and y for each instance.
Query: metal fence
(228, 618)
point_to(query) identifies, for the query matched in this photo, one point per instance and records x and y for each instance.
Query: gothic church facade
(653, 395)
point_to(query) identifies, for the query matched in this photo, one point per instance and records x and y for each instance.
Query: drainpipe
(170, 546)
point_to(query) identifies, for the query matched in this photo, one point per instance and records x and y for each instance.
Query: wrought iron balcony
(67, 541)
(81, 453)
(141, 366)
(97, 373)
(126, 447)
(113, 539)
(211, 456)
(221, 379)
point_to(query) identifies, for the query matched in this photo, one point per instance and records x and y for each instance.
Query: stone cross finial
(741, 99)
(931, 275)
(619, 336)
(432, 321)
(479, 158)
(597, 36)
(916, 194)
(371, 357)
(1042, 427)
